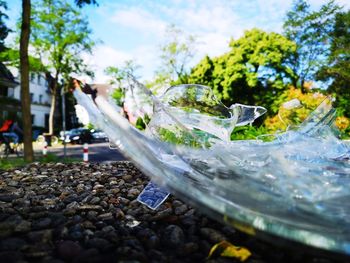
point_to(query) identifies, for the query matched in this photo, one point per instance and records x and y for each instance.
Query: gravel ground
(89, 213)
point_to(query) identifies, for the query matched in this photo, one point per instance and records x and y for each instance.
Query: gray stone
(108, 229)
(42, 223)
(6, 228)
(173, 236)
(72, 205)
(68, 250)
(41, 236)
(7, 197)
(23, 227)
(163, 214)
(99, 243)
(90, 207)
(133, 193)
(106, 216)
(12, 244)
(180, 209)
(95, 200)
(212, 234)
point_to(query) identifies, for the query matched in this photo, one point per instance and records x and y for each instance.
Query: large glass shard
(295, 186)
(192, 115)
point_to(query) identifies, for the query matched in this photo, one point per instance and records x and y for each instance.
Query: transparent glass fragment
(192, 115)
(295, 186)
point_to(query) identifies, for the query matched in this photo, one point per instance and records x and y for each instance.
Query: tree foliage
(118, 76)
(4, 30)
(337, 70)
(253, 72)
(80, 3)
(175, 55)
(60, 34)
(310, 31)
(293, 116)
(11, 57)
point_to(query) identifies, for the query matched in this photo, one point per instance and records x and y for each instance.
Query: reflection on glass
(295, 186)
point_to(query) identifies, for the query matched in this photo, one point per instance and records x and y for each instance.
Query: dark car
(79, 135)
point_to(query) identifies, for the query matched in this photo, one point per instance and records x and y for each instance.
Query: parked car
(99, 136)
(78, 135)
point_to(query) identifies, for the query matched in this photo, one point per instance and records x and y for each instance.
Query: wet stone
(68, 250)
(7, 197)
(12, 244)
(212, 234)
(99, 243)
(162, 214)
(41, 236)
(95, 200)
(180, 209)
(173, 236)
(23, 227)
(106, 216)
(41, 223)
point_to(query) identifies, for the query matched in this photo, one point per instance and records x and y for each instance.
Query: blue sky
(135, 29)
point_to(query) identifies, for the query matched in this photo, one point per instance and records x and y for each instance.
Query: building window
(40, 98)
(39, 79)
(5, 114)
(11, 92)
(3, 91)
(32, 77)
(31, 97)
(33, 119)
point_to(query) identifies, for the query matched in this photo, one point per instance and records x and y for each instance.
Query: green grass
(15, 162)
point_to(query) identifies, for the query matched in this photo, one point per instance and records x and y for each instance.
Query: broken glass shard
(295, 186)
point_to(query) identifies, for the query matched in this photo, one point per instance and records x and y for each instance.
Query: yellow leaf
(226, 249)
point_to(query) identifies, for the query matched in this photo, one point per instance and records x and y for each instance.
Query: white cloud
(212, 22)
(140, 20)
(104, 56)
(213, 44)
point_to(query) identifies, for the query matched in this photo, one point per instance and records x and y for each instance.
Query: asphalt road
(98, 152)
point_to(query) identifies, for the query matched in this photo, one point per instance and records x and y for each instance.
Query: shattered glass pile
(294, 186)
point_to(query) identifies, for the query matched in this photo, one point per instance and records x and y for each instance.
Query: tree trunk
(24, 71)
(53, 105)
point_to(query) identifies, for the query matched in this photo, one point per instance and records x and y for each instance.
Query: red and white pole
(86, 153)
(45, 149)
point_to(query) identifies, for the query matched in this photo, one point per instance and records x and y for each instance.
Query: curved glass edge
(142, 150)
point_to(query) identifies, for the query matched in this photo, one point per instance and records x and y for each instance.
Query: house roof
(6, 77)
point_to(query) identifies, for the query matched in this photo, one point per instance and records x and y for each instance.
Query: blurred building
(10, 107)
(40, 97)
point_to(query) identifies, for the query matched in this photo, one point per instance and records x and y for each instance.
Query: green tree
(175, 55)
(310, 31)
(24, 70)
(254, 71)
(118, 77)
(60, 34)
(11, 57)
(4, 30)
(80, 3)
(202, 73)
(337, 70)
